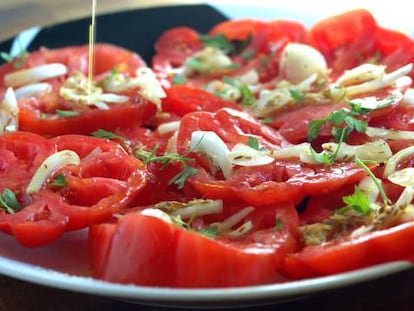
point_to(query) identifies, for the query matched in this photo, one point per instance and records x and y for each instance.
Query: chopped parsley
(165, 160)
(217, 41)
(278, 224)
(8, 201)
(252, 142)
(179, 79)
(358, 202)
(106, 134)
(247, 96)
(67, 113)
(18, 59)
(343, 123)
(297, 95)
(59, 181)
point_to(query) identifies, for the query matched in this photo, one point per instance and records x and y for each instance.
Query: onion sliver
(392, 162)
(50, 165)
(35, 74)
(32, 90)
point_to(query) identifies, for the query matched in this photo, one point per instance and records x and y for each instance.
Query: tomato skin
(352, 253)
(157, 253)
(182, 99)
(346, 40)
(106, 180)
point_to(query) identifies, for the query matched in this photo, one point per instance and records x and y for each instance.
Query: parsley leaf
(179, 79)
(182, 176)
(218, 42)
(106, 134)
(9, 202)
(252, 142)
(278, 224)
(67, 113)
(210, 232)
(59, 181)
(18, 59)
(314, 128)
(358, 201)
(297, 95)
(165, 160)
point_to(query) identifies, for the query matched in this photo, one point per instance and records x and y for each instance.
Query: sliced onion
(372, 102)
(380, 83)
(229, 222)
(403, 177)
(168, 127)
(392, 162)
(9, 110)
(409, 96)
(113, 98)
(362, 73)
(406, 197)
(34, 89)
(389, 133)
(378, 151)
(242, 230)
(210, 144)
(50, 165)
(157, 213)
(150, 86)
(35, 74)
(368, 186)
(244, 155)
(197, 208)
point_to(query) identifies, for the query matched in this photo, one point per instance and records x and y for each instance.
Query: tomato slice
(145, 250)
(106, 180)
(346, 40)
(182, 99)
(39, 113)
(351, 253)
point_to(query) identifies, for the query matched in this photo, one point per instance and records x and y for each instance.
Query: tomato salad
(257, 153)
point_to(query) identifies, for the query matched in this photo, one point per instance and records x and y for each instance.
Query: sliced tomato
(106, 180)
(145, 250)
(182, 99)
(351, 253)
(39, 113)
(346, 40)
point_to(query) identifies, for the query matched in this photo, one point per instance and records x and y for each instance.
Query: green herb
(381, 190)
(252, 142)
(218, 42)
(67, 113)
(106, 134)
(59, 181)
(8, 201)
(278, 224)
(165, 160)
(248, 54)
(182, 176)
(210, 232)
(267, 120)
(195, 64)
(323, 157)
(297, 95)
(246, 94)
(179, 79)
(358, 202)
(344, 123)
(18, 59)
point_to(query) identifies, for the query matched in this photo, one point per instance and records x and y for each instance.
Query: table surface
(393, 292)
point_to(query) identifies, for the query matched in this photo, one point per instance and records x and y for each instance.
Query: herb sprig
(8, 201)
(165, 160)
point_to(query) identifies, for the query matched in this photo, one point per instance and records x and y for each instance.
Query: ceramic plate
(64, 264)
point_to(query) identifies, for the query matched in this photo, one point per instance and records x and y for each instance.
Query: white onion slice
(150, 86)
(403, 177)
(34, 89)
(229, 222)
(368, 186)
(392, 162)
(361, 73)
(9, 110)
(243, 229)
(210, 144)
(244, 155)
(197, 208)
(406, 197)
(378, 151)
(409, 96)
(113, 98)
(50, 165)
(168, 127)
(389, 133)
(380, 83)
(35, 74)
